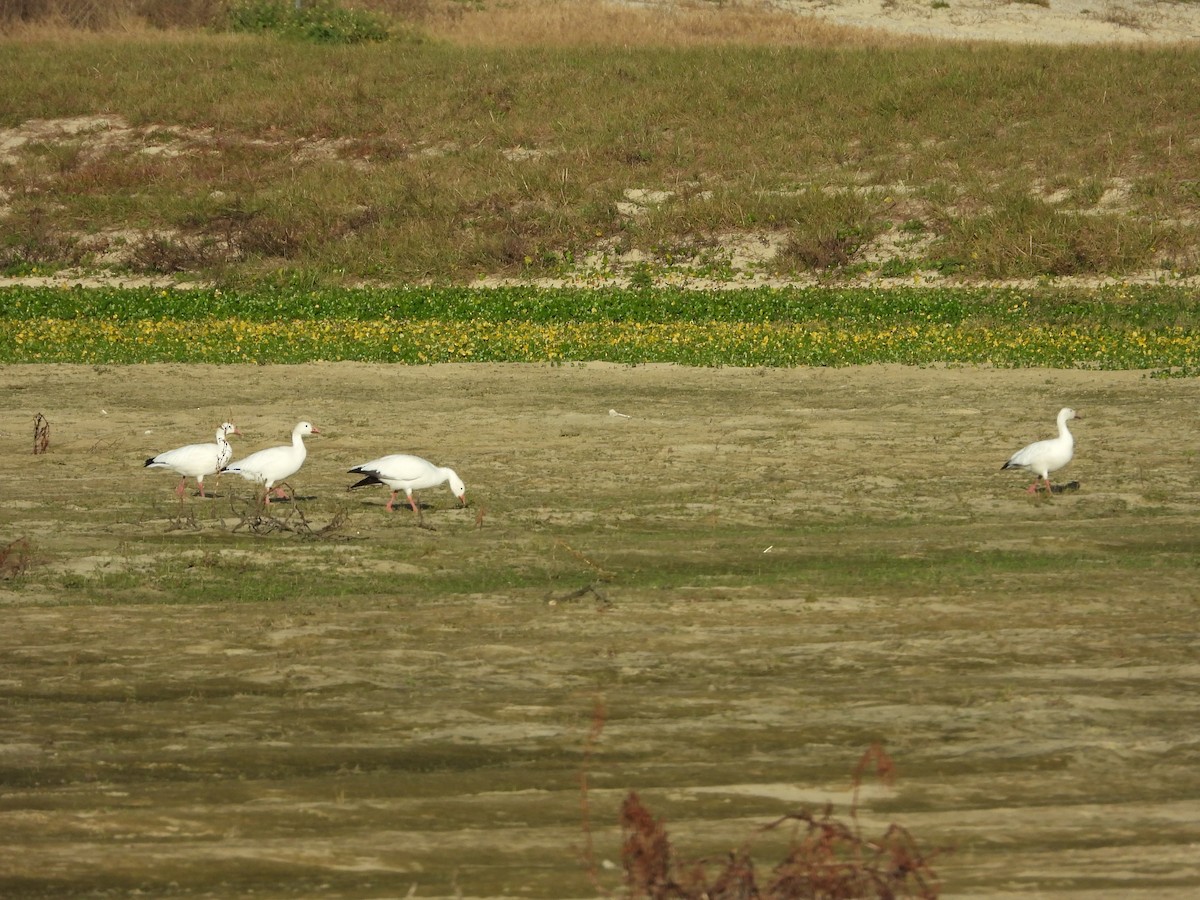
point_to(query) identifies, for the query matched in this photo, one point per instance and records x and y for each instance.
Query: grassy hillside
(434, 156)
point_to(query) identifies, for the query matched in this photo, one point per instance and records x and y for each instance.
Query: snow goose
(404, 472)
(196, 460)
(1043, 457)
(266, 467)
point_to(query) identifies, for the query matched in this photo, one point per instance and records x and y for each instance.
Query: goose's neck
(1063, 433)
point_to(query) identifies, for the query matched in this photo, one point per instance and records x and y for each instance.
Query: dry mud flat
(795, 562)
(1059, 22)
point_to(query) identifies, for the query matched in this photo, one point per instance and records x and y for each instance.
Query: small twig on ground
(600, 596)
(41, 434)
(604, 574)
(185, 521)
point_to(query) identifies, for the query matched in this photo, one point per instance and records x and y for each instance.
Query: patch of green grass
(904, 563)
(319, 21)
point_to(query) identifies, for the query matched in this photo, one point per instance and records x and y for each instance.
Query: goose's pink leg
(391, 500)
(182, 487)
(1037, 485)
(417, 510)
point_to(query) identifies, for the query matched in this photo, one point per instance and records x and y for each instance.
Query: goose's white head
(305, 428)
(228, 428)
(1066, 414)
(458, 488)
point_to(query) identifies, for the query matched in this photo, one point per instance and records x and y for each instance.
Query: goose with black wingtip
(1043, 457)
(197, 460)
(408, 473)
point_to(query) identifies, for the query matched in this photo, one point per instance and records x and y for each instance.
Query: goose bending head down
(197, 460)
(404, 472)
(1043, 457)
(275, 464)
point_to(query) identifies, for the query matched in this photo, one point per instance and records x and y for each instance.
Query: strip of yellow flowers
(699, 343)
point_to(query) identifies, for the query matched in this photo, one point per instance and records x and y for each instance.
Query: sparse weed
(826, 859)
(15, 558)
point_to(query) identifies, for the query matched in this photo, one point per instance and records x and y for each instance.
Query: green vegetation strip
(1120, 328)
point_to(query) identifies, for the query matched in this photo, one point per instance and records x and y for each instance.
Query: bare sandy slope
(1053, 22)
(756, 534)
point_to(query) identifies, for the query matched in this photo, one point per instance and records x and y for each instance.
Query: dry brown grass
(44, 18)
(595, 22)
(544, 23)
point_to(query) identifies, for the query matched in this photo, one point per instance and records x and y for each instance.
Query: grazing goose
(403, 472)
(266, 467)
(196, 460)
(1043, 457)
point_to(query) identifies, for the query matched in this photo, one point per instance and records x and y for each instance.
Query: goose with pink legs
(275, 464)
(1043, 457)
(196, 460)
(404, 472)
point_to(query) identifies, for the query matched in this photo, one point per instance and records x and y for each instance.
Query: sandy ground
(1053, 22)
(790, 565)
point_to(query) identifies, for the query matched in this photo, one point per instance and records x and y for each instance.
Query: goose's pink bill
(275, 464)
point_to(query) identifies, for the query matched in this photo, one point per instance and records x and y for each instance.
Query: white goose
(1043, 457)
(196, 460)
(404, 472)
(266, 467)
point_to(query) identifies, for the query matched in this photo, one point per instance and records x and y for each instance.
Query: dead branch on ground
(826, 859)
(41, 434)
(592, 588)
(261, 517)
